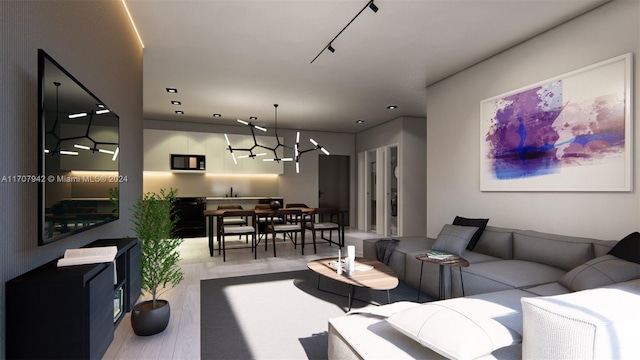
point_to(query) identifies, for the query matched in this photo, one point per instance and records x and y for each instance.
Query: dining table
(213, 218)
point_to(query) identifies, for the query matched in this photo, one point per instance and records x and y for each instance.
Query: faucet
(231, 194)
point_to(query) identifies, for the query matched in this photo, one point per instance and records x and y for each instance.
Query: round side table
(453, 260)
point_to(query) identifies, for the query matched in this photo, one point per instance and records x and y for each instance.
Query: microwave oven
(188, 162)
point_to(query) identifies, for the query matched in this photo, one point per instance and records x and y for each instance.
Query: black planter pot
(146, 320)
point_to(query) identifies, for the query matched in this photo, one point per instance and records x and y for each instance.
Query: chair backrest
(281, 216)
(229, 206)
(327, 214)
(246, 214)
(296, 205)
(262, 206)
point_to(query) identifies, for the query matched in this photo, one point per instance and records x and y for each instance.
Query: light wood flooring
(181, 339)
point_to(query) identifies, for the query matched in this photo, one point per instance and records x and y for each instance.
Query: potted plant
(154, 223)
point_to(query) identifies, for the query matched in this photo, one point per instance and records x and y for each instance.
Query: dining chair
(247, 230)
(324, 219)
(283, 221)
(300, 206)
(237, 220)
(263, 218)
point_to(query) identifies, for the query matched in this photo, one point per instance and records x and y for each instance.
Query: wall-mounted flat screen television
(78, 155)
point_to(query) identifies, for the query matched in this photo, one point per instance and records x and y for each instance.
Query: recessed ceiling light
(100, 106)
(217, 115)
(179, 112)
(172, 90)
(253, 118)
(392, 107)
(176, 102)
(359, 121)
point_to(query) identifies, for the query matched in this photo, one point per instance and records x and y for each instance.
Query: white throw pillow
(451, 332)
(454, 238)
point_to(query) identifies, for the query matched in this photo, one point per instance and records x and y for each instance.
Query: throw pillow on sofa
(452, 330)
(628, 248)
(598, 272)
(481, 224)
(454, 239)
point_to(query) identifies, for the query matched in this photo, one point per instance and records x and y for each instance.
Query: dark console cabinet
(68, 312)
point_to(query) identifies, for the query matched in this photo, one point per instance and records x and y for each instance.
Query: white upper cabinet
(156, 150)
(159, 144)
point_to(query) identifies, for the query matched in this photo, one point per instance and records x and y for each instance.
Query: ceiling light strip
(135, 28)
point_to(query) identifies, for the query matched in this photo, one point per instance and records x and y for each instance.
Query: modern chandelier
(96, 146)
(251, 152)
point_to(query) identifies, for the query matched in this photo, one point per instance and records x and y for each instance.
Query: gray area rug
(278, 315)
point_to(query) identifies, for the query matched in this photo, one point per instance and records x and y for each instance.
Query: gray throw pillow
(601, 271)
(454, 239)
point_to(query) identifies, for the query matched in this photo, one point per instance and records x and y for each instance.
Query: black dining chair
(283, 221)
(248, 230)
(324, 219)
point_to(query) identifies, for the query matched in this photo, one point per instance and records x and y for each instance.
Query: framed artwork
(569, 133)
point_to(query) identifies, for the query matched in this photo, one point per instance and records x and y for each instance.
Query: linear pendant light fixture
(329, 46)
(274, 149)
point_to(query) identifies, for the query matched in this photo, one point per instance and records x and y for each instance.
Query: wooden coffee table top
(381, 277)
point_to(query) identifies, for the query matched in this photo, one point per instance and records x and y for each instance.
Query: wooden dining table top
(218, 212)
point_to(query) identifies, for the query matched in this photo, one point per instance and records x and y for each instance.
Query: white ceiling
(238, 58)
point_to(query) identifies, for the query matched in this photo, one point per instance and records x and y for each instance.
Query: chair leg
(254, 246)
(315, 251)
(224, 250)
(274, 244)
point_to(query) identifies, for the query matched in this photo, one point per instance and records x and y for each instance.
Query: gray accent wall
(453, 132)
(96, 43)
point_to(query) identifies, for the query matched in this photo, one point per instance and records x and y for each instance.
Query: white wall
(453, 132)
(95, 42)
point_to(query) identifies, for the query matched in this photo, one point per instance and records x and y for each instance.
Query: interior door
(333, 182)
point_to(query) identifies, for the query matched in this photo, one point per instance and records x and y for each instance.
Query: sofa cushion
(600, 323)
(601, 271)
(454, 238)
(496, 242)
(628, 248)
(481, 224)
(464, 328)
(513, 273)
(563, 252)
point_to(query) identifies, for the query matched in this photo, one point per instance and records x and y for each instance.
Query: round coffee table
(379, 277)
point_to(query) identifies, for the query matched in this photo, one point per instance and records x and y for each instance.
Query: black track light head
(373, 7)
(331, 48)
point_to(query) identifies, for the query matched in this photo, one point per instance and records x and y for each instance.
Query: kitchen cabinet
(156, 150)
(160, 144)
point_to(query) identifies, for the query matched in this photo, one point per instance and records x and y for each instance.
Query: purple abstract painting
(572, 126)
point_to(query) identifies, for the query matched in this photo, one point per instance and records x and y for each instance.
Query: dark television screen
(78, 155)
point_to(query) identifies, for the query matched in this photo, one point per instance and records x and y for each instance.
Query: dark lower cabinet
(68, 312)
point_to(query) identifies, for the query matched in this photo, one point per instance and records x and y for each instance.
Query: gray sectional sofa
(515, 283)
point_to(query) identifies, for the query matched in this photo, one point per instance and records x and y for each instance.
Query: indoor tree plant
(154, 223)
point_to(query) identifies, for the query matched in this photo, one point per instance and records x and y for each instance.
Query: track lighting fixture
(329, 46)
